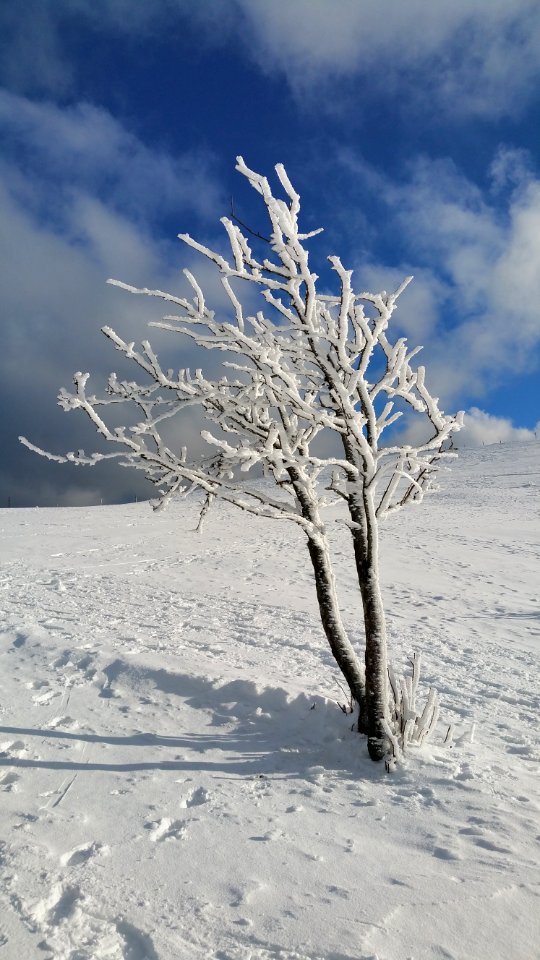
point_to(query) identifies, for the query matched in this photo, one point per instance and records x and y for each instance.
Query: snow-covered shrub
(409, 725)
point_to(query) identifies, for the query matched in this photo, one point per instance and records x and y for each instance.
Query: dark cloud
(63, 232)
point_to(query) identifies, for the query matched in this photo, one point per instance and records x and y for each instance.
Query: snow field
(177, 780)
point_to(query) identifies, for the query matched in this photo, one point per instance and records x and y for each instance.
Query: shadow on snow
(271, 734)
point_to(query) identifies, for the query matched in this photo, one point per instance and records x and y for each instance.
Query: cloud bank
(78, 197)
(482, 428)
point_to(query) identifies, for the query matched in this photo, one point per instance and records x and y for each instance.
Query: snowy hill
(177, 780)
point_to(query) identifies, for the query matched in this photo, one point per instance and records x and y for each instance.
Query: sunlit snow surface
(177, 780)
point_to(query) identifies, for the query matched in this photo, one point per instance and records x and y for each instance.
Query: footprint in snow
(487, 844)
(45, 698)
(12, 748)
(37, 684)
(446, 853)
(82, 853)
(340, 892)
(27, 819)
(244, 894)
(136, 943)
(480, 837)
(59, 904)
(62, 660)
(8, 781)
(196, 798)
(108, 938)
(67, 723)
(271, 836)
(165, 829)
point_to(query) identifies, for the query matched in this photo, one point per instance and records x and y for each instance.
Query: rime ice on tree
(306, 364)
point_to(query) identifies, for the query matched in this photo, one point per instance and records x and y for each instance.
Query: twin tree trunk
(370, 694)
(369, 690)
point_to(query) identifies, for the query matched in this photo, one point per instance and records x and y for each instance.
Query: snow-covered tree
(307, 365)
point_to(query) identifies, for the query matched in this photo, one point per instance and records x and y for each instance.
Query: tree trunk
(325, 584)
(340, 645)
(366, 552)
(376, 666)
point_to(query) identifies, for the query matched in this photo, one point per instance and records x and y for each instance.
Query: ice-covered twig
(407, 726)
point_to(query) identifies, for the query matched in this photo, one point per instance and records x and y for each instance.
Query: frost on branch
(302, 369)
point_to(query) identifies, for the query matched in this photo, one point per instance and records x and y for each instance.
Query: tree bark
(366, 552)
(340, 645)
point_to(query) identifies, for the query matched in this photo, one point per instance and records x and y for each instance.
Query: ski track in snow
(177, 780)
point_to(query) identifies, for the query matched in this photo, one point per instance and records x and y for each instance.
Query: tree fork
(325, 585)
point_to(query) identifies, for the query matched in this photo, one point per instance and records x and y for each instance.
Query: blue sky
(410, 129)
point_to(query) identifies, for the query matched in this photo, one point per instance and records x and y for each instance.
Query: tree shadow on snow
(251, 730)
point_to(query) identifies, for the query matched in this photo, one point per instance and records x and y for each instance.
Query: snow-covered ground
(177, 780)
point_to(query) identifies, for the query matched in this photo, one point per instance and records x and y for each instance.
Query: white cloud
(418, 309)
(479, 58)
(510, 168)
(468, 58)
(482, 428)
(477, 274)
(84, 147)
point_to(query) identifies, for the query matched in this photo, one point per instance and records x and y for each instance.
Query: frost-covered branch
(311, 356)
